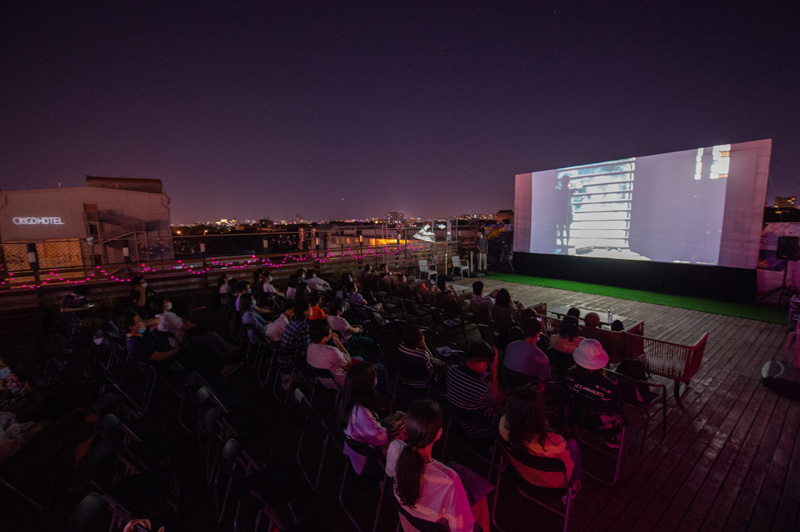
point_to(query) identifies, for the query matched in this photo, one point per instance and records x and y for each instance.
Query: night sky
(272, 109)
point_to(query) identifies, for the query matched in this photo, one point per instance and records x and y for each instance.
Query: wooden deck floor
(731, 456)
(730, 459)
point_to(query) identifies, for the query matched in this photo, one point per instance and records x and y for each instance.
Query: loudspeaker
(788, 248)
(782, 379)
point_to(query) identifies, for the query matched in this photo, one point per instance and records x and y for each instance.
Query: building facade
(108, 221)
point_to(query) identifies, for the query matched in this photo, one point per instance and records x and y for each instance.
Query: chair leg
(341, 497)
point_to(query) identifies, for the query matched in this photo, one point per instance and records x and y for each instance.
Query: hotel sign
(37, 220)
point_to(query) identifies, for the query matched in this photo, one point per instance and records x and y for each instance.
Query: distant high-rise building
(395, 216)
(785, 202)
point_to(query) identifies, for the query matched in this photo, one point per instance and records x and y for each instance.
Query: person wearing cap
(595, 398)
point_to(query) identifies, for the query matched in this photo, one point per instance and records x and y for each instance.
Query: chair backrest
(481, 312)
(456, 262)
(540, 463)
(512, 379)
(487, 334)
(420, 524)
(85, 513)
(423, 266)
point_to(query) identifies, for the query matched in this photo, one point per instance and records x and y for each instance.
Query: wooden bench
(673, 361)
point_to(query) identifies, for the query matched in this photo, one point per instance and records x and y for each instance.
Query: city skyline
(279, 109)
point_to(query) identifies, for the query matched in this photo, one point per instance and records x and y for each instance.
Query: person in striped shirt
(417, 366)
(473, 392)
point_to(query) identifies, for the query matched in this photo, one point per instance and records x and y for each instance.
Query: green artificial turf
(740, 310)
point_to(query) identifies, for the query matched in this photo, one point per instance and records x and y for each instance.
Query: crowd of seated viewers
(321, 325)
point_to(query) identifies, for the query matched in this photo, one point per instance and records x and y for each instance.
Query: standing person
(449, 494)
(483, 257)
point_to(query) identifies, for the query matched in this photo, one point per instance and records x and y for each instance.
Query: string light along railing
(54, 276)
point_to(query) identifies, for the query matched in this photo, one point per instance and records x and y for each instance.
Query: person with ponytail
(449, 494)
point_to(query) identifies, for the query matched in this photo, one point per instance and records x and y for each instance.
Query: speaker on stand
(788, 250)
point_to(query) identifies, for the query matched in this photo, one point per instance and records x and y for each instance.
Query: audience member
(568, 338)
(574, 312)
(479, 298)
(449, 494)
(186, 333)
(526, 428)
(315, 283)
(291, 288)
(295, 341)
(140, 296)
(334, 358)
(417, 367)
(243, 287)
(524, 357)
(592, 320)
(470, 389)
(276, 327)
(268, 287)
(358, 414)
(597, 401)
(316, 311)
(617, 326)
(504, 300)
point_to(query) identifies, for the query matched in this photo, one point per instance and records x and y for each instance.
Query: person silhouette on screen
(564, 215)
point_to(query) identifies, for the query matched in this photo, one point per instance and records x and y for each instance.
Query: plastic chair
(463, 269)
(428, 271)
(529, 491)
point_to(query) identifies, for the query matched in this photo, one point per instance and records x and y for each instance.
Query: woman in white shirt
(428, 489)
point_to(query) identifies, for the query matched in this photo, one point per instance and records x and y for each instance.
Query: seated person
(75, 301)
(291, 288)
(417, 367)
(243, 287)
(140, 296)
(320, 355)
(402, 287)
(353, 335)
(617, 326)
(426, 488)
(366, 277)
(256, 325)
(316, 311)
(479, 298)
(146, 348)
(302, 291)
(315, 283)
(357, 414)
(294, 342)
(341, 292)
(470, 389)
(524, 357)
(574, 312)
(592, 320)
(359, 303)
(596, 398)
(568, 338)
(222, 288)
(268, 287)
(276, 327)
(526, 428)
(503, 299)
(187, 333)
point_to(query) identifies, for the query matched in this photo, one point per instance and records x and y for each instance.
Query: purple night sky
(271, 109)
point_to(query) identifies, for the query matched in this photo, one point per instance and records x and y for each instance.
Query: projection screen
(702, 206)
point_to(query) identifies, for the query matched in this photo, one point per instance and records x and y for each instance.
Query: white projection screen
(702, 206)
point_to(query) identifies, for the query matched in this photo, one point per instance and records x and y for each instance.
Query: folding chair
(573, 408)
(531, 492)
(374, 461)
(313, 428)
(448, 323)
